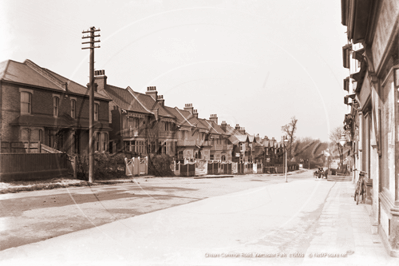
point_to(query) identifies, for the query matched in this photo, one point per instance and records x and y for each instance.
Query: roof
(31, 74)
(151, 104)
(76, 87)
(125, 100)
(215, 128)
(235, 139)
(180, 120)
(251, 138)
(197, 123)
(21, 73)
(182, 117)
(230, 130)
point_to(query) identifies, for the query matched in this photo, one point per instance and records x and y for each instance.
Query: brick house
(141, 123)
(190, 134)
(40, 106)
(221, 147)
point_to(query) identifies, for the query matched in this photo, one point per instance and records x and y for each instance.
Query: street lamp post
(285, 151)
(341, 144)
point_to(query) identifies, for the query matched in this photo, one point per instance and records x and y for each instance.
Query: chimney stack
(242, 130)
(100, 79)
(214, 118)
(237, 127)
(152, 91)
(195, 113)
(189, 107)
(161, 100)
(224, 126)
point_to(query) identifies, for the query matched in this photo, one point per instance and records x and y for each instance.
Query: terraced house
(141, 123)
(40, 108)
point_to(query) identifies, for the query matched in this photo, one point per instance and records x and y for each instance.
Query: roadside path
(309, 217)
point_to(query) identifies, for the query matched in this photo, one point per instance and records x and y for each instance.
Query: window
(141, 146)
(26, 102)
(168, 126)
(56, 105)
(133, 146)
(73, 108)
(223, 158)
(105, 143)
(98, 141)
(211, 157)
(41, 135)
(96, 106)
(127, 144)
(24, 134)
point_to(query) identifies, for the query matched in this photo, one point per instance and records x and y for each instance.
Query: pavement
(309, 222)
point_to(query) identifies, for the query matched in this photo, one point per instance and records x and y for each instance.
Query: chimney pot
(152, 91)
(100, 80)
(214, 118)
(189, 107)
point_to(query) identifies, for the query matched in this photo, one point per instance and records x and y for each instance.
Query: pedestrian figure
(326, 173)
(321, 173)
(360, 189)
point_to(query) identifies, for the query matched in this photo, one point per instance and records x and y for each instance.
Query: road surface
(251, 220)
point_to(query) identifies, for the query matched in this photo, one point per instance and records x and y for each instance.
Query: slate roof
(182, 117)
(25, 73)
(197, 123)
(19, 72)
(179, 117)
(151, 104)
(215, 128)
(238, 138)
(125, 100)
(76, 87)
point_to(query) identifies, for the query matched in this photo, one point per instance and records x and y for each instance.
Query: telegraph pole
(92, 41)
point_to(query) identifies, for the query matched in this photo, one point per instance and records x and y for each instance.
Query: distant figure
(326, 173)
(321, 173)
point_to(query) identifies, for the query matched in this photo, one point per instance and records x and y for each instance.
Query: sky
(254, 63)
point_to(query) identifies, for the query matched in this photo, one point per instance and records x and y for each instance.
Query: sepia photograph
(199, 132)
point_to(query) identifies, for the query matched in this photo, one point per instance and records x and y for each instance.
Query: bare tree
(290, 129)
(335, 136)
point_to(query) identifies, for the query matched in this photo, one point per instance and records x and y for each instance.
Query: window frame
(96, 112)
(56, 108)
(30, 94)
(73, 107)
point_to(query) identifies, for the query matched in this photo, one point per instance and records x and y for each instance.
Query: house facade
(39, 106)
(191, 135)
(141, 124)
(372, 123)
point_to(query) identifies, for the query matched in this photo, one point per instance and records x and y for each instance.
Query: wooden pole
(91, 97)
